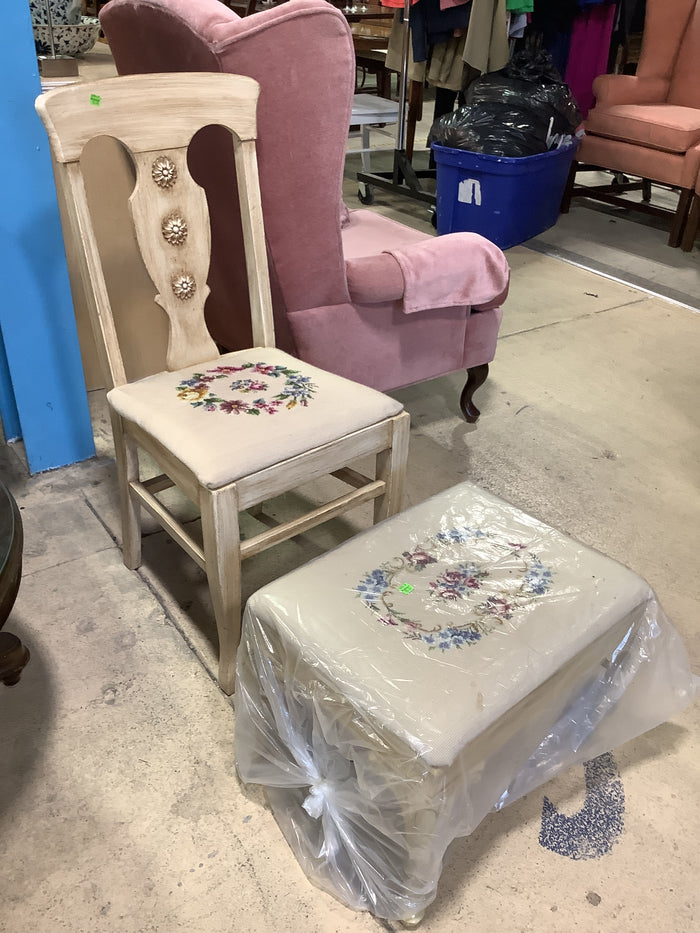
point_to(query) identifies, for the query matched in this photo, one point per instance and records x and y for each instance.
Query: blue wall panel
(37, 322)
(8, 406)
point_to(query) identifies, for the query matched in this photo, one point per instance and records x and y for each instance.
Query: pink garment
(588, 53)
(434, 272)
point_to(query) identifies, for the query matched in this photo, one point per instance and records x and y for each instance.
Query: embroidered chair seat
(395, 690)
(207, 413)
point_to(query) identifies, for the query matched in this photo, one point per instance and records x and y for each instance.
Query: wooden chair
(229, 431)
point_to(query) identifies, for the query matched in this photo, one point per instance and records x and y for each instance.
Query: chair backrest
(685, 84)
(154, 117)
(671, 48)
(302, 55)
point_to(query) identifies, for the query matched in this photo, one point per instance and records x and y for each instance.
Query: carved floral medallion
(164, 172)
(174, 229)
(184, 286)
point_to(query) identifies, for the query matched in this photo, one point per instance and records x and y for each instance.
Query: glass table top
(7, 524)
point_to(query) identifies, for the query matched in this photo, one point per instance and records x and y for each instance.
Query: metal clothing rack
(403, 178)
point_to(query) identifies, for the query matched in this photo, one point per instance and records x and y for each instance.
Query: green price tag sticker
(406, 588)
(95, 99)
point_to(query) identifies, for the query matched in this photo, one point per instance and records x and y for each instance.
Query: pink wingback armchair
(354, 293)
(648, 125)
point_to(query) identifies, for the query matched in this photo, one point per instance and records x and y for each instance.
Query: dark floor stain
(593, 898)
(594, 830)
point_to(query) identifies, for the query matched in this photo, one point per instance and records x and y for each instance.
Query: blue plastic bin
(507, 200)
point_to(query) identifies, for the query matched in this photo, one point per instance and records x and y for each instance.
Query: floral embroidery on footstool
(198, 390)
(462, 580)
(454, 583)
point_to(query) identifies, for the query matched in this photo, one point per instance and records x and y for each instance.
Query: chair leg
(127, 459)
(415, 112)
(384, 83)
(680, 217)
(222, 555)
(365, 156)
(391, 467)
(691, 225)
(476, 376)
(569, 189)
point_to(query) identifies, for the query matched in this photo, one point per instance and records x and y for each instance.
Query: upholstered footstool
(394, 691)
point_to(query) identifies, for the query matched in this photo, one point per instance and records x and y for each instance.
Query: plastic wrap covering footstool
(395, 690)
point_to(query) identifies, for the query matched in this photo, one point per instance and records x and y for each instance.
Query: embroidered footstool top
(441, 619)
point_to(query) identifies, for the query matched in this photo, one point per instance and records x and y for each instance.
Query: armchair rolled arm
(610, 90)
(372, 279)
(439, 272)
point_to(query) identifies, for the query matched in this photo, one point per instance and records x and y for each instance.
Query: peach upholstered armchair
(648, 125)
(354, 293)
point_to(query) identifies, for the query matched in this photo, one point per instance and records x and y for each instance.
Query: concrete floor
(597, 236)
(119, 804)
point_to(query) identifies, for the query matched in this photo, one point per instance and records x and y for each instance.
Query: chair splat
(171, 219)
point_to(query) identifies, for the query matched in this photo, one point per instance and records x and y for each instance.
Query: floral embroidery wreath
(461, 581)
(197, 390)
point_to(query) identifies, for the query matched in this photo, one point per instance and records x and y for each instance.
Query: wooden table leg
(13, 658)
(414, 115)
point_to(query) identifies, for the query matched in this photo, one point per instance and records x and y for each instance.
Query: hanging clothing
(517, 26)
(589, 52)
(554, 20)
(486, 47)
(431, 25)
(444, 67)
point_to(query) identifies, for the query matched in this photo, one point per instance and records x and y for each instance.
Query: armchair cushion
(366, 233)
(658, 126)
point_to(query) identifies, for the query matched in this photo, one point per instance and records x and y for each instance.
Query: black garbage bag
(522, 110)
(493, 128)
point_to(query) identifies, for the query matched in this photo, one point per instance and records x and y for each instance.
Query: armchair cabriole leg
(680, 217)
(476, 377)
(691, 225)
